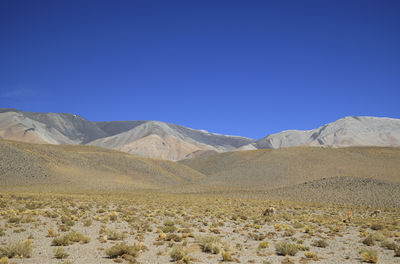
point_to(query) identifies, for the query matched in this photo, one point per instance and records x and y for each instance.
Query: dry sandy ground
(237, 223)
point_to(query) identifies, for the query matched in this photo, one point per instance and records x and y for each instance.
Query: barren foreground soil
(165, 228)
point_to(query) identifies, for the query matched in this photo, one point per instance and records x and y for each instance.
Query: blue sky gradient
(247, 68)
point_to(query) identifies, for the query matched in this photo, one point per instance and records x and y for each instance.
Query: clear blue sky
(246, 68)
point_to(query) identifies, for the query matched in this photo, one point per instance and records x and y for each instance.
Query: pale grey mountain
(345, 132)
(167, 141)
(53, 128)
(220, 141)
(146, 138)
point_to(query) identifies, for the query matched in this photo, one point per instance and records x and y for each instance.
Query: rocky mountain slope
(345, 132)
(52, 128)
(168, 141)
(146, 138)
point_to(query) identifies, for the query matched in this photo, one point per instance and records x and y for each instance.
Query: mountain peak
(344, 132)
(174, 142)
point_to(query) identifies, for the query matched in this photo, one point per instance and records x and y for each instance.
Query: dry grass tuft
(210, 244)
(263, 244)
(180, 254)
(320, 243)
(369, 256)
(286, 248)
(18, 250)
(226, 256)
(60, 253)
(69, 239)
(122, 249)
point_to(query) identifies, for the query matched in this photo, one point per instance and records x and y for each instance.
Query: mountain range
(352, 160)
(174, 142)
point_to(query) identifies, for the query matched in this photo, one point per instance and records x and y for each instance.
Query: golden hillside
(268, 169)
(362, 175)
(68, 167)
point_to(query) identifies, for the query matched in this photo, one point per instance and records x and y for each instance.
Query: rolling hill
(277, 168)
(368, 176)
(360, 175)
(342, 190)
(68, 167)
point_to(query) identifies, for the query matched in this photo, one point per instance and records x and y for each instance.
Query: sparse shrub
(289, 232)
(287, 261)
(179, 253)
(377, 226)
(369, 256)
(63, 228)
(303, 248)
(14, 220)
(311, 255)
(51, 233)
(226, 256)
(87, 222)
(320, 243)
(59, 241)
(397, 251)
(169, 223)
(297, 224)
(173, 237)
(67, 221)
(388, 245)
(69, 239)
(286, 248)
(378, 236)
(113, 216)
(60, 253)
(113, 234)
(122, 249)
(19, 230)
(19, 249)
(4, 260)
(161, 236)
(209, 244)
(169, 228)
(257, 236)
(369, 241)
(308, 230)
(263, 244)
(278, 227)
(51, 214)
